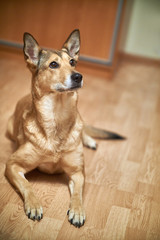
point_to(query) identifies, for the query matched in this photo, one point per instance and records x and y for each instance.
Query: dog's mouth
(75, 87)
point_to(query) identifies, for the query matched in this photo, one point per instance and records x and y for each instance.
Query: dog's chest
(56, 143)
(57, 118)
(53, 129)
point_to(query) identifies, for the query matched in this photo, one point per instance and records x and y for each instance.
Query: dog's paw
(33, 209)
(76, 217)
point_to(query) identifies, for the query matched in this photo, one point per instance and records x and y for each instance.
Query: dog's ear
(72, 44)
(31, 50)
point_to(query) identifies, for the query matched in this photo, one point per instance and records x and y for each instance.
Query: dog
(47, 127)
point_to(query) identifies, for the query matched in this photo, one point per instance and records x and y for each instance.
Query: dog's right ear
(31, 50)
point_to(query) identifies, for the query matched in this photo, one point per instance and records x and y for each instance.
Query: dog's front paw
(33, 208)
(76, 217)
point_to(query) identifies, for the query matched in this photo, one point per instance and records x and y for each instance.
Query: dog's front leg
(22, 161)
(75, 170)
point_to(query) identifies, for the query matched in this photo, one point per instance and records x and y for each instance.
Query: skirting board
(139, 59)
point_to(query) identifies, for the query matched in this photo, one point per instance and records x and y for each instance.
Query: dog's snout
(76, 77)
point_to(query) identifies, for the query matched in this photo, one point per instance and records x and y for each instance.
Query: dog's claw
(29, 214)
(71, 221)
(68, 212)
(78, 225)
(94, 148)
(38, 218)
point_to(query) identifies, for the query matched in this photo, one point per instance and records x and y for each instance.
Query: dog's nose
(77, 77)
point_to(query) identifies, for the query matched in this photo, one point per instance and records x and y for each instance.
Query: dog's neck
(56, 112)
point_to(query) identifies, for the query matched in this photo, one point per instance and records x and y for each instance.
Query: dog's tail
(101, 133)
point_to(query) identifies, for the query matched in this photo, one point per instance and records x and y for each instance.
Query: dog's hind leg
(22, 161)
(88, 141)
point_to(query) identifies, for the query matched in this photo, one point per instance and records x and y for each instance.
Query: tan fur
(47, 127)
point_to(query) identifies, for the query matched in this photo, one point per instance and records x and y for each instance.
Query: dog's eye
(53, 65)
(72, 62)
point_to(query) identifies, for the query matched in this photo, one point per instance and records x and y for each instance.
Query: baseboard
(138, 59)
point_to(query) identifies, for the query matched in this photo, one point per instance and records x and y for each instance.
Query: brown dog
(47, 126)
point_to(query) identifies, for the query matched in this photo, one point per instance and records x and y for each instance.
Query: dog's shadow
(44, 178)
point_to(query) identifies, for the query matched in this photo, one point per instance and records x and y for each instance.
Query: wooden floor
(122, 191)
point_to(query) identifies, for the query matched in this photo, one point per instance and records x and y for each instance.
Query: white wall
(143, 36)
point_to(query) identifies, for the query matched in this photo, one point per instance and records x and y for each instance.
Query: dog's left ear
(72, 44)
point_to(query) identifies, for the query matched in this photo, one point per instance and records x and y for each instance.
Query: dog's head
(54, 70)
